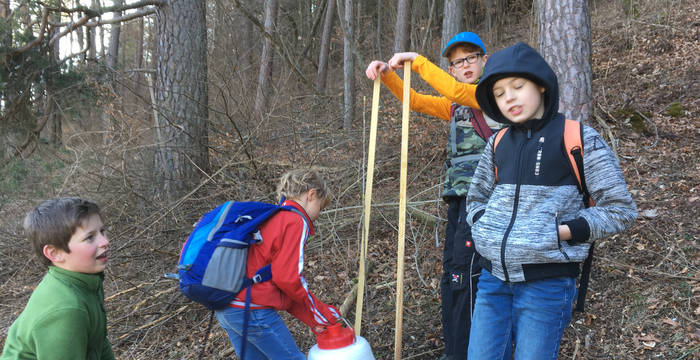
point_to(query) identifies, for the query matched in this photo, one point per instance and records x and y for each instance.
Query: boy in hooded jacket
(528, 219)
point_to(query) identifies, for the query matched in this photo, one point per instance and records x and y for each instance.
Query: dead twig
(153, 323)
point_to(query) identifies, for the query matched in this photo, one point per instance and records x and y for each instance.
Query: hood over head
(519, 60)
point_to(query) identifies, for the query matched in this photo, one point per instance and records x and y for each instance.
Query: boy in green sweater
(65, 316)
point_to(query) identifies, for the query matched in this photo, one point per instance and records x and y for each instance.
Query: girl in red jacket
(284, 238)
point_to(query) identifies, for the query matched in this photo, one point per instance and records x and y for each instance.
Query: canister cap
(335, 337)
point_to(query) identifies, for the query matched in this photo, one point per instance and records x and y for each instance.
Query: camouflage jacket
(464, 148)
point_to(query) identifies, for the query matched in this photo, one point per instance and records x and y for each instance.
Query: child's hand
(396, 61)
(375, 68)
(564, 232)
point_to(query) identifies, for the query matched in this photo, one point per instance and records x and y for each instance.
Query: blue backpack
(212, 265)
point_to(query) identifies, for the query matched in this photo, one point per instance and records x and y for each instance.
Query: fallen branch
(153, 323)
(109, 298)
(618, 264)
(349, 300)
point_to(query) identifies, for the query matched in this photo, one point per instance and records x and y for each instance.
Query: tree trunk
(181, 95)
(495, 14)
(92, 39)
(5, 42)
(565, 42)
(379, 30)
(401, 35)
(55, 125)
(113, 53)
(348, 68)
(138, 57)
(325, 47)
(6, 29)
(265, 74)
(451, 25)
(246, 43)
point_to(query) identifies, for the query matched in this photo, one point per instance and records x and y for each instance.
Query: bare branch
(38, 40)
(137, 14)
(141, 12)
(70, 28)
(102, 11)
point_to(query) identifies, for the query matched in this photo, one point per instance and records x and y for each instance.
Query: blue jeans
(268, 336)
(530, 315)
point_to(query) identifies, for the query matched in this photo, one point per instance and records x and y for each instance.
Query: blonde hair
(295, 183)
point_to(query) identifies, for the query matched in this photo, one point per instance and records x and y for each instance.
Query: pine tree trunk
(348, 67)
(181, 96)
(265, 74)
(402, 35)
(325, 47)
(113, 53)
(451, 25)
(564, 28)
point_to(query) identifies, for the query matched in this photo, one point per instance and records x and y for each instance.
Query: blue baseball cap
(464, 37)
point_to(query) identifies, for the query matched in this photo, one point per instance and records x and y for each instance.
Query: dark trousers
(458, 284)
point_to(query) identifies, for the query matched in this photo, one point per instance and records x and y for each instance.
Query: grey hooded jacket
(515, 215)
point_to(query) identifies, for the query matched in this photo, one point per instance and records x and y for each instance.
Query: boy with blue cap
(469, 130)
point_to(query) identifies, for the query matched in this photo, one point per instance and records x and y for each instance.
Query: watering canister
(340, 343)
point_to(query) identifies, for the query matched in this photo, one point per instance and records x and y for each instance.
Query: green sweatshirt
(64, 319)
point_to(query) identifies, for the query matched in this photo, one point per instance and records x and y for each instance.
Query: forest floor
(644, 297)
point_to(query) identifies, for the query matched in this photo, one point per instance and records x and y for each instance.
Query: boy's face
(464, 71)
(88, 246)
(519, 99)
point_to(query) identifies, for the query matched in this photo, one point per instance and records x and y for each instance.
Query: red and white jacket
(284, 238)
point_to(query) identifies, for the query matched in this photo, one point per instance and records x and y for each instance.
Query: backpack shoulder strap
(496, 140)
(480, 125)
(573, 142)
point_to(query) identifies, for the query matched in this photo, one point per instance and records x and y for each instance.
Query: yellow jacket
(438, 106)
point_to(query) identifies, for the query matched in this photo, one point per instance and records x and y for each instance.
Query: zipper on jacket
(516, 200)
(556, 229)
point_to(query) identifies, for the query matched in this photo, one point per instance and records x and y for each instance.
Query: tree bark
(92, 41)
(113, 53)
(402, 36)
(55, 121)
(6, 34)
(495, 13)
(325, 47)
(451, 25)
(265, 74)
(348, 68)
(181, 95)
(379, 30)
(565, 42)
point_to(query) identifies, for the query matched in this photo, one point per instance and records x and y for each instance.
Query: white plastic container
(340, 343)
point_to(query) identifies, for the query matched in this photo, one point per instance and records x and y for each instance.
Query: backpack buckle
(257, 278)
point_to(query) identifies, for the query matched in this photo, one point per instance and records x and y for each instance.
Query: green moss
(633, 118)
(675, 110)
(630, 8)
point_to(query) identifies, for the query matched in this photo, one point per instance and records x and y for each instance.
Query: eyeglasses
(458, 63)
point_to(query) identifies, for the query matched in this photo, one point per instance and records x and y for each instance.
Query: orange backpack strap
(573, 142)
(499, 136)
